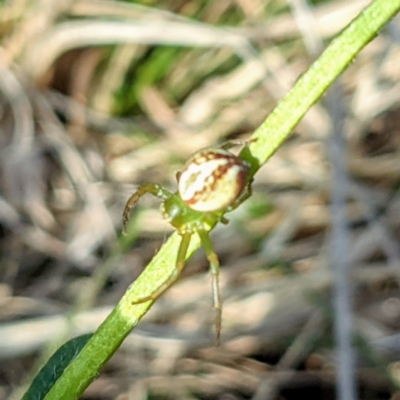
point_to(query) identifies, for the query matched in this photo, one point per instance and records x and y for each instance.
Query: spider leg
(244, 195)
(180, 263)
(233, 143)
(216, 291)
(154, 189)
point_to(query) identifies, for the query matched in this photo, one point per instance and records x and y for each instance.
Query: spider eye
(212, 180)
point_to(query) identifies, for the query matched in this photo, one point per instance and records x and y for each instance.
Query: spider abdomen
(212, 180)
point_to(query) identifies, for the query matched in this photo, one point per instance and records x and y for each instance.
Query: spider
(212, 182)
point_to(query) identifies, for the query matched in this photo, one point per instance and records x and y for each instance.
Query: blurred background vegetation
(98, 96)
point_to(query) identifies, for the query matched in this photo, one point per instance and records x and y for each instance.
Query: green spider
(213, 181)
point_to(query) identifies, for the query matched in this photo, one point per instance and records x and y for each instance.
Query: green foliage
(55, 367)
(153, 67)
(260, 207)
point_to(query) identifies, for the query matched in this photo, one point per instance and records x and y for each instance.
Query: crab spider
(213, 181)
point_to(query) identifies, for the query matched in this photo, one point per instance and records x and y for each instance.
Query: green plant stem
(125, 316)
(314, 83)
(270, 135)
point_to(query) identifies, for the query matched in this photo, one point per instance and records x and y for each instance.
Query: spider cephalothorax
(212, 182)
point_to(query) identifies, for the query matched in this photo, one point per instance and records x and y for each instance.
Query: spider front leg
(244, 195)
(152, 188)
(179, 264)
(214, 268)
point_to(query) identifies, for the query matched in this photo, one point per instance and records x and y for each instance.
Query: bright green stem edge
(270, 135)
